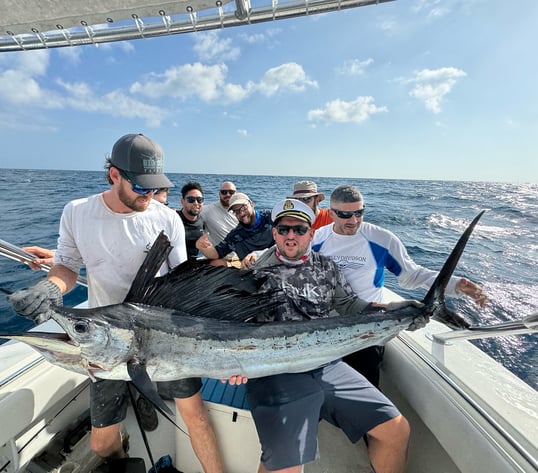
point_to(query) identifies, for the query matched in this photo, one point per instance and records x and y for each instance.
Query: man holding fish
(111, 233)
(287, 407)
(363, 251)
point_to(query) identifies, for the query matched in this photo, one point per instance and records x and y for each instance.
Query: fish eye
(81, 327)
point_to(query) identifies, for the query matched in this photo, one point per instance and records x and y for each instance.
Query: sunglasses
(297, 229)
(135, 187)
(191, 199)
(240, 210)
(342, 214)
(227, 191)
(305, 200)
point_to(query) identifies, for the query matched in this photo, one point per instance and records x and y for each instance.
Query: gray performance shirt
(218, 221)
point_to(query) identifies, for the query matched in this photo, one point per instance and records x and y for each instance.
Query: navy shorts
(287, 409)
(109, 398)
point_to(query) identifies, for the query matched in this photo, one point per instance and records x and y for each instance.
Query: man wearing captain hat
(307, 192)
(309, 286)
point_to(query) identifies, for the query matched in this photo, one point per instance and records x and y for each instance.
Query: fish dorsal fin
(199, 289)
(436, 294)
(153, 261)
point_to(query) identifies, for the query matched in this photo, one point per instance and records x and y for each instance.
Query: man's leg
(291, 469)
(203, 439)
(387, 446)
(353, 404)
(106, 442)
(108, 406)
(286, 410)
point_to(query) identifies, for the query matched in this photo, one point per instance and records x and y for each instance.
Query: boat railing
(76, 28)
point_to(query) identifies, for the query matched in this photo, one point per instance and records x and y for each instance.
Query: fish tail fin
(435, 298)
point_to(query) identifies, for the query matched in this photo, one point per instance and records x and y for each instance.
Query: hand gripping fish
(195, 322)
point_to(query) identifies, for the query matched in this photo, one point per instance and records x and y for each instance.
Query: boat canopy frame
(44, 24)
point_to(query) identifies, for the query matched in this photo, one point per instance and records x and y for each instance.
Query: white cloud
(209, 46)
(438, 12)
(256, 38)
(431, 85)
(126, 46)
(387, 25)
(432, 8)
(208, 83)
(259, 38)
(20, 86)
(19, 80)
(71, 54)
(354, 67)
(79, 96)
(290, 76)
(356, 111)
(190, 80)
(242, 132)
(34, 63)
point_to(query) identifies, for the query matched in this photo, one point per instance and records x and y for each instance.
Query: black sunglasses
(297, 229)
(305, 200)
(342, 214)
(191, 199)
(135, 187)
(227, 191)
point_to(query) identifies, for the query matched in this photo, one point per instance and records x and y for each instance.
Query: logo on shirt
(310, 292)
(349, 262)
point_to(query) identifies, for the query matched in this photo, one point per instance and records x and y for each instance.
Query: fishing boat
(468, 413)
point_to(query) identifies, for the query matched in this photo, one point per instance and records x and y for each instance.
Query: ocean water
(428, 216)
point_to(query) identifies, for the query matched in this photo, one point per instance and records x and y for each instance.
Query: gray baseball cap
(141, 159)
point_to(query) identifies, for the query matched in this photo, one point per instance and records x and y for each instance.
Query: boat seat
(213, 390)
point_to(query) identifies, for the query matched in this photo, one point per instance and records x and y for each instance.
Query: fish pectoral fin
(140, 379)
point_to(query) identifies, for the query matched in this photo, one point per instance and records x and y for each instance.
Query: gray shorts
(109, 399)
(287, 408)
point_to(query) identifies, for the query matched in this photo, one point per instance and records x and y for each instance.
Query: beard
(193, 212)
(136, 204)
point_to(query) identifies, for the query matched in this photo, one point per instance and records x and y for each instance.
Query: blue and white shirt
(364, 256)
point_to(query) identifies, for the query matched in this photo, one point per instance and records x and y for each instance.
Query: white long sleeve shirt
(113, 245)
(364, 256)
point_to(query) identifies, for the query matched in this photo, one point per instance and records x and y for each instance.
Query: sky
(410, 89)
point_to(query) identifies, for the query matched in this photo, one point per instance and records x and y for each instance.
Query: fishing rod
(18, 254)
(528, 324)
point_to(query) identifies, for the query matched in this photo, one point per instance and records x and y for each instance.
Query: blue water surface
(428, 216)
